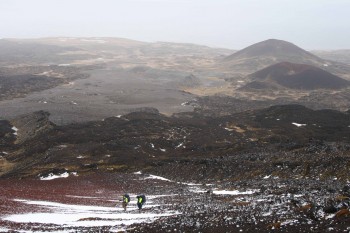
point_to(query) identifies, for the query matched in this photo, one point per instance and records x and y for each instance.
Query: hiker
(126, 200)
(141, 199)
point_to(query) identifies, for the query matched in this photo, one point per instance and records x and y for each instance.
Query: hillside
(266, 160)
(295, 76)
(272, 51)
(142, 138)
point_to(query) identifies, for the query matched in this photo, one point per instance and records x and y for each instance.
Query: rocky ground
(283, 168)
(265, 204)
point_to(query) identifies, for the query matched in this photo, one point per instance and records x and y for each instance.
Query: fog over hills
(341, 55)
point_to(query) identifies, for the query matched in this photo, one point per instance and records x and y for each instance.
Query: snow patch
(197, 190)
(289, 222)
(84, 216)
(63, 64)
(151, 197)
(331, 216)
(234, 192)
(52, 176)
(190, 184)
(178, 146)
(138, 173)
(4, 229)
(162, 150)
(157, 178)
(298, 125)
(14, 129)
(84, 197)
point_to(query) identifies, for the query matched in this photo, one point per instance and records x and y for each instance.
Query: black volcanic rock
(143, 139)
(295, 76)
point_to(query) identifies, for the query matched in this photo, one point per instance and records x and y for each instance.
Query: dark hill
(295, 76)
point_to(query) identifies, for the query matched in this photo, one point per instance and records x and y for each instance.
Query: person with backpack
(141, 199)
(126, 200)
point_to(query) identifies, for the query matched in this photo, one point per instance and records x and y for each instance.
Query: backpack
(127, 197)
(143, 198)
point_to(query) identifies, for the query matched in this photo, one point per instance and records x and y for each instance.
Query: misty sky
(310, 24)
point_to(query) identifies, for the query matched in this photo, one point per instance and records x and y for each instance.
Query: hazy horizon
(233, 24)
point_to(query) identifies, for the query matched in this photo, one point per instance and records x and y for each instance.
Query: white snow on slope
(36, 231)
(234, 192)
(14, 129)
(84, 216)
(52, 176)
(157, 177)
(197, 189)
(298, 125)
(189, 184)
(84, 197)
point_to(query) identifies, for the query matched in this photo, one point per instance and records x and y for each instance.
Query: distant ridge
(295, 76)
